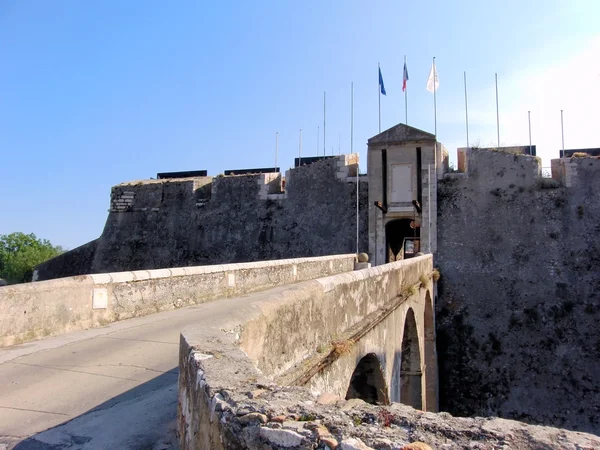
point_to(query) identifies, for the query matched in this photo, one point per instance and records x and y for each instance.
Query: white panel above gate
(401, 183)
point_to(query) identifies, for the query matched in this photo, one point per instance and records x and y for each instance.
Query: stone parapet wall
(47, 308)
(327, 309)
(573, 172)
(503, 167)
(152, 195)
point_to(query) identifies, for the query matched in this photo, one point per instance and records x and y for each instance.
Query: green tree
(20, 253)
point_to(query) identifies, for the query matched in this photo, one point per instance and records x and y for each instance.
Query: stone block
(101, 278)
(178, 272)
(195, 270)
(159, 273)
(140, 275)
(122, 277)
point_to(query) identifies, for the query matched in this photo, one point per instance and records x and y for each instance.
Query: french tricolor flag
(404, 78)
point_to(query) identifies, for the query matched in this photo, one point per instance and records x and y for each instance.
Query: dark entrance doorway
(402, 241)
(367, 382)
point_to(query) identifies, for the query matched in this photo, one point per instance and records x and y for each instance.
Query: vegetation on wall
(20, 253)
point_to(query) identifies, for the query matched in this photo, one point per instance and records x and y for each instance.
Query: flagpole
(276, 147)
(300, 150)
(357, 163)
(405, 94)
(434, 100)
(379, 90)
(318, 139)
(497, 111)
(429, 209)
(352, 117)
(357, 202)
(339, 143)
(529, 119)
(466, 109)
(562, 132)
(324, 122)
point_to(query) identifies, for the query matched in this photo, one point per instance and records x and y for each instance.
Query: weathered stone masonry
(227, 219)
(519, 297)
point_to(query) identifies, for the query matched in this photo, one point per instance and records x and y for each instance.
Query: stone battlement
(176, 222)
(506, 168)
(575, 171)
(151, 195)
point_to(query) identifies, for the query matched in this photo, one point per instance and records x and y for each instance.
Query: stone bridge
(367, 334)
(298, 354)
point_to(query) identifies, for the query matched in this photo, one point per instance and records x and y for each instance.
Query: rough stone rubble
(273, 417)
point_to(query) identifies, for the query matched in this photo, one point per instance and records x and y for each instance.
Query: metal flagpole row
(433, 88)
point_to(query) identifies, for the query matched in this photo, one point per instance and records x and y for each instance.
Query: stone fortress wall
(225, 219)
(519, 297)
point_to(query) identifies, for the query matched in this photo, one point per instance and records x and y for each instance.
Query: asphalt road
(108, 388)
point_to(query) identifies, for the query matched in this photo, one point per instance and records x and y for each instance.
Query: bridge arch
(410, 365)
(430, 356)
(367, 381)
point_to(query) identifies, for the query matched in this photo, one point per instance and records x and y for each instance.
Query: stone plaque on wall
(401, 183)
(99, 298)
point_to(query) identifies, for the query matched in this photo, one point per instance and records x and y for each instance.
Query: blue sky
(93, 93)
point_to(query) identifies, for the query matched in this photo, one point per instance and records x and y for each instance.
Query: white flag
(433, 81)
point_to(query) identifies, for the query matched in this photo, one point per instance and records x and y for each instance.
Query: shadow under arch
(410, 366)
(367, 382)
(430, 357)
